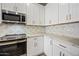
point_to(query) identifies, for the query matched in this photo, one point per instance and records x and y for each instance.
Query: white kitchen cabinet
(17, 7)
(35, 14)
(32, 14)
(74, 12)
(21, 7)
(48, 46)
(63, 12)
(58, 51)
(9, 6)
(34, 46)
(41, 15)
(65, 53)
(68, 12)
(29, 14)
(51, 13)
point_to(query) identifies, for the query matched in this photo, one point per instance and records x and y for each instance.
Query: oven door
(13, 49)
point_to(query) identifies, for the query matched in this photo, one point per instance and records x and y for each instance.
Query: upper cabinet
(41, 14)
(63, 12)
(21, 7)
(32, 14)
(9, 6)
(68, 12)
(74, 12)
(35, 14)
(51, 13)
(17, 7)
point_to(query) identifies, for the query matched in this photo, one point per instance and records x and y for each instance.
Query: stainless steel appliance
(15, 45)
(13, 17)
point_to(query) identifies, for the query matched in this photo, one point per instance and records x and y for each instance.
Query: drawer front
(69, 48)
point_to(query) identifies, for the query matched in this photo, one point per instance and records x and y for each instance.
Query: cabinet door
(56, 50)
(21, 7)
(32, 14)
(74, 12)
(34, 46)
(51, 13)
(63, 12)
(36, 15)
(66, 54)
(41, 14)
(29, 14)
(48, 44)
(9, 6)
(30, 47)
(40, 45)
(59, 51)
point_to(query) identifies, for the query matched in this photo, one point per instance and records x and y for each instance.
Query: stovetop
(13, 37)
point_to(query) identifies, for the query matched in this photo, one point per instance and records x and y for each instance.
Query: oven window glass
(13, 49)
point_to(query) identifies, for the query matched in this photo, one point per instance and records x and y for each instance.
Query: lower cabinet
(48, 44)
(34, 46)
(57, 51)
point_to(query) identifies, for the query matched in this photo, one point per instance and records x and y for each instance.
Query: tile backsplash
(11, 29)
(34, 30)
(19, 29)
(65, 29)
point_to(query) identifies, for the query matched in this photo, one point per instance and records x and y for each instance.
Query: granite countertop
(65, 39)
(36, 35)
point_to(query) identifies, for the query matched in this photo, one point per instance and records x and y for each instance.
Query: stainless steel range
(13, 45)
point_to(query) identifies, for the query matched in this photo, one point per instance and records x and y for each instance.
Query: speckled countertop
(66, 39)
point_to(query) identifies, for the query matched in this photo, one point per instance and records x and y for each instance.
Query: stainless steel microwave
(13, 17)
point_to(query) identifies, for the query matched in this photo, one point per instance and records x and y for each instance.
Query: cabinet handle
(66, 17)
(60, 53)
(63, 54)
(51, 42)
(69, 16)
(62, 46)
(50, 21)
(35, 44)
